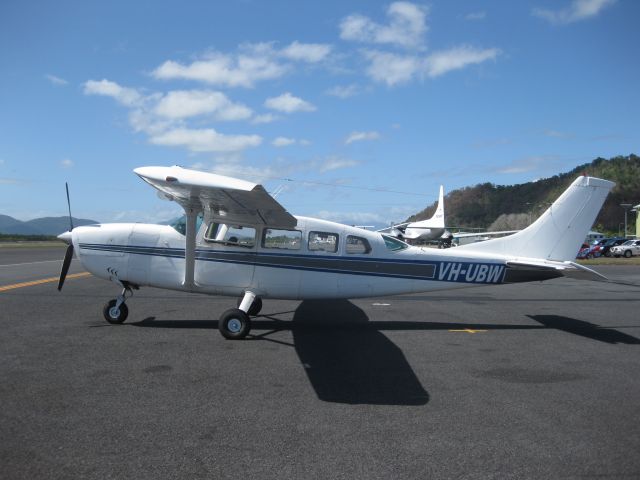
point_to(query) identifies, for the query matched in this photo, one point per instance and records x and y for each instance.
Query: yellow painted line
(4, 288)
(468, 330)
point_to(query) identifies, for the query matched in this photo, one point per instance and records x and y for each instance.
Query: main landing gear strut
(235, 323)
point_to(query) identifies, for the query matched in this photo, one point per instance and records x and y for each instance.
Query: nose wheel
(114, 313)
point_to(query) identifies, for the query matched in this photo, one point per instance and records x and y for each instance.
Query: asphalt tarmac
(517, 381)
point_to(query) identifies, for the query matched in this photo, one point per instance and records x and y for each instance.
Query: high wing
(223, 199)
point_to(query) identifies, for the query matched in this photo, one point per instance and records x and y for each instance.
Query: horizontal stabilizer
(544, 270)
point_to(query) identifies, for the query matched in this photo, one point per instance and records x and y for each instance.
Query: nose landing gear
(116, 311)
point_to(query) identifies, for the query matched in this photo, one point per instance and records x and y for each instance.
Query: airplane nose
(65, 237)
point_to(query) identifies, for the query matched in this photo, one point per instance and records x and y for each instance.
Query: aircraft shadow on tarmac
(585, 329)
(349, 360)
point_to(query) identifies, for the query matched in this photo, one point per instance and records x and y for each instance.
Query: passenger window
(283, 239)
(357, 245)
(323, 242)
(231, 235)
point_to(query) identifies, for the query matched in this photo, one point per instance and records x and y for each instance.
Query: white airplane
(249, 246)
(429, 229)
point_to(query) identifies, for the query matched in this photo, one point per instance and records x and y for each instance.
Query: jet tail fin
(560, 230)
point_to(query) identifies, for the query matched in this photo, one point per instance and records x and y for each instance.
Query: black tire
(255, 307)
(589, 256)
(627, 254)
(115, 316)
(234, 324)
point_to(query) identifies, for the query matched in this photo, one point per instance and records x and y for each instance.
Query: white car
(628, 248)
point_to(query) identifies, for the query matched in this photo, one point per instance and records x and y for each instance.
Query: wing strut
(190, 247)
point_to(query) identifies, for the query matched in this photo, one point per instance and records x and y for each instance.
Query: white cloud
(264, 118)
(283, 142)
(244, 70)
(344, 91)
(391, 68)
(445, 61)
(125, 96)
(406, 28)
(557, 134)
(475, 16)
(336, 163)
(205, 140)
(66, 163)
(306, 52)
(188, 103)
(354, 218)
(360, 136)
(576, 11)
(287, 103)
(525, 165)
(57, 81)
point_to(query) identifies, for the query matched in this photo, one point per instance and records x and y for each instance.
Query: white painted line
(29, 263)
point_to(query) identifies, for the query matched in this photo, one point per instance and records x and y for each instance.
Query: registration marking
(4, 288)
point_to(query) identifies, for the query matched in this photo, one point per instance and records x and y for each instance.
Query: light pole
(626, 207)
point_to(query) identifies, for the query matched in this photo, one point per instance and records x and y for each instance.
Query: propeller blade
(65, 266)
(69, 207)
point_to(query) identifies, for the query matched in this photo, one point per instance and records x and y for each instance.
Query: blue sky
(356, 111)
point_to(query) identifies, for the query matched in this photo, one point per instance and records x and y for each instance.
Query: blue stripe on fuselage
(445, 271)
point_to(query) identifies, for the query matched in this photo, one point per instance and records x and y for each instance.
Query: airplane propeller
(66, 236)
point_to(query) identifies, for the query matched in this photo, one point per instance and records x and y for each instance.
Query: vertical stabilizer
(559, 232)
(430, 228)
(438, 217)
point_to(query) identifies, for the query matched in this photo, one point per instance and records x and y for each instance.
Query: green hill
(479, 206)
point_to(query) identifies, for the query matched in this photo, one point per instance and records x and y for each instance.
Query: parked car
(584, 250)
(627, 249)
(605, 249)
(596, 248)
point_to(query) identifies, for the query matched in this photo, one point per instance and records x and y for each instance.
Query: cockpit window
(180, 224)
(394, 244)
(231, 235)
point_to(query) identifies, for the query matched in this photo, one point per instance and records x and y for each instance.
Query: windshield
(628, 242)
(180, 224)
(394, 244)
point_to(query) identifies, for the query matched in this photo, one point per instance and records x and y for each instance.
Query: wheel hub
(234, 325)
(114, 312)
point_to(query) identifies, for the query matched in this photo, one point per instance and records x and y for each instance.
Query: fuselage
(317, 259)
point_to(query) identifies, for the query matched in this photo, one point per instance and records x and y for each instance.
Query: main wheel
(255, 307)
(234, 324)
(627, 253)
(113, 314)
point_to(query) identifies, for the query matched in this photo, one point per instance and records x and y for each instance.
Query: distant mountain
(481, 205)
(40, 226)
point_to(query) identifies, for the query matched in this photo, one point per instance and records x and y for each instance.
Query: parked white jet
(249, 246)
(429, 229)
